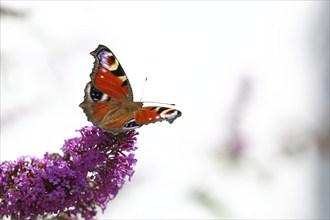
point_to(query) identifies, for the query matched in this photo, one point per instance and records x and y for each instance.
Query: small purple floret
(91, 171)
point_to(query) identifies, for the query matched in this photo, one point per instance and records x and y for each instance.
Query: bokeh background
(251, 78)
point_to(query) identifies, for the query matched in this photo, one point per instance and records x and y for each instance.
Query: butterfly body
(108, 101)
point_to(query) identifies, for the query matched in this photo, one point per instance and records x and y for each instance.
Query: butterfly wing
(109, 77)
(105, 94)
(153, 114)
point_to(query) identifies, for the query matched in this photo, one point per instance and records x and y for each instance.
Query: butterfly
(108, 101)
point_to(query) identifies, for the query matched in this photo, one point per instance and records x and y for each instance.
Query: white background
(239, 71)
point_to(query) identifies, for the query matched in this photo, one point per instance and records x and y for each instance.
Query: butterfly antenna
(144, 85)
(162, 103)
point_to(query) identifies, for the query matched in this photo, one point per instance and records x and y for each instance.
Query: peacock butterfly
(108, 101)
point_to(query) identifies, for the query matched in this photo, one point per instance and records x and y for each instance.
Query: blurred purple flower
(90, 173)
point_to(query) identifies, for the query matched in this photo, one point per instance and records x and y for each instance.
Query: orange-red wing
(153, 114)
(108, 76)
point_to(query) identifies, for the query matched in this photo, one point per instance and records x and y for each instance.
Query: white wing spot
(104, 97)
(169, 116)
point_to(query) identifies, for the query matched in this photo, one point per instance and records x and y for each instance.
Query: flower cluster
(91, 171)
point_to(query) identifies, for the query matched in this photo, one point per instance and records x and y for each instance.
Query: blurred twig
(9, 12)
(206, 200)
(236, 141)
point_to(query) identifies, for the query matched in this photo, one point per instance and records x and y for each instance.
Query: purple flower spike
(90, 173)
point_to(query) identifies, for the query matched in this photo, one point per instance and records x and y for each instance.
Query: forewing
(109, 77)
(153, 114)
